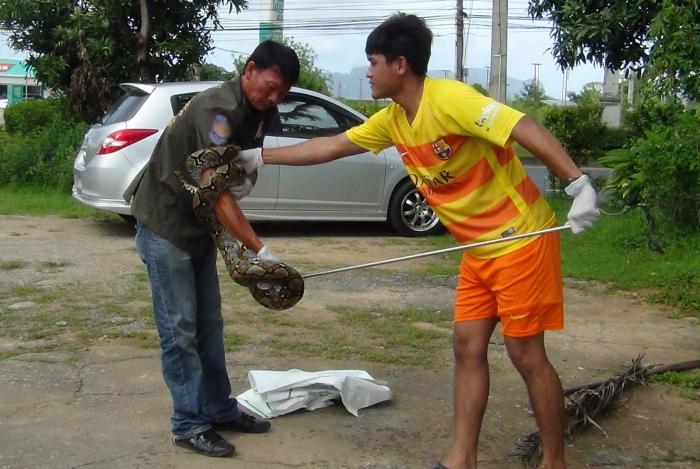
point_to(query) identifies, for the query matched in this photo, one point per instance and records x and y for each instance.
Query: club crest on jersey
(442, 149)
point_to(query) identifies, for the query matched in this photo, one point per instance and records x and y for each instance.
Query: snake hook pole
(463, 247)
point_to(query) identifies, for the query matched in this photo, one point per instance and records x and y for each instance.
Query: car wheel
(410, 214)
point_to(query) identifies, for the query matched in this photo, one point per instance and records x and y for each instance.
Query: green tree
(588, 96)
(534, 93)
(85, 48)
(480, 89)
(310, 76)
(211, 72)
(659, 37)
(531, 100)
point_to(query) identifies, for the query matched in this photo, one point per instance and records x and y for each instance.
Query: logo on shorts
(520, 316)
(442, 149)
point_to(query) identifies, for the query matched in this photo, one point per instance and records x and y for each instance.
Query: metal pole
(459, 43)
(536, 77)
(499, 49)
(439, 251)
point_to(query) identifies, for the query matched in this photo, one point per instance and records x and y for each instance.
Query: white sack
(275, 393)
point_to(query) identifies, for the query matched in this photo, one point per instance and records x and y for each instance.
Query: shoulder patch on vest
(220, 130)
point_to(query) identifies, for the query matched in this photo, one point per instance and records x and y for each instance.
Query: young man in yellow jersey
(456, 144)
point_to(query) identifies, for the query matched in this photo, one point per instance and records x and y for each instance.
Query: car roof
(199, 85)
(190, 86)
(185, 85)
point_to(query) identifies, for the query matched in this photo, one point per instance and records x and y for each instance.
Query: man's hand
(249, 160)
(239, 191)
(584, 210)
(239, 187)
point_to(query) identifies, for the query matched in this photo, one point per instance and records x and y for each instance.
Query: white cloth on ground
(275, 393)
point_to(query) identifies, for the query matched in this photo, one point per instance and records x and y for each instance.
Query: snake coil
(273, 284)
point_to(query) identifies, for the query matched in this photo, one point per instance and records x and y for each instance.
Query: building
(17, 83)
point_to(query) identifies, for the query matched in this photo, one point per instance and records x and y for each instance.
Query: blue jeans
(187, 308)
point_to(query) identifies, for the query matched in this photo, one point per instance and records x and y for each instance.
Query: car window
(308, 117)
(125, 108)
(178, 101)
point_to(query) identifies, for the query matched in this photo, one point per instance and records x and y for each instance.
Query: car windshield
(125, 108)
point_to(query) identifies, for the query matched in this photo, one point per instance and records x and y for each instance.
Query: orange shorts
(523, 289)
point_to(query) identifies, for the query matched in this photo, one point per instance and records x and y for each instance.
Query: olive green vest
(215, 116)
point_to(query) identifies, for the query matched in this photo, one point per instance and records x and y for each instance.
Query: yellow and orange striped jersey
(458, 153)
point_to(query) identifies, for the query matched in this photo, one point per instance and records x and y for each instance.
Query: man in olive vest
(181, 257)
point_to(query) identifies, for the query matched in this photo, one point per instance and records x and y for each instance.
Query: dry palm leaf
(587, 402)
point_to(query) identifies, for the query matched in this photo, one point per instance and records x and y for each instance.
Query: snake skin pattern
(273, 284)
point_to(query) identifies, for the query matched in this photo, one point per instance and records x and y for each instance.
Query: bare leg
(546, 395)
(471, 390)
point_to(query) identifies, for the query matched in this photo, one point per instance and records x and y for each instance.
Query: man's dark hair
(273, 54)
(402, 35)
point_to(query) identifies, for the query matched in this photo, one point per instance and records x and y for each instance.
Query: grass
(11, 265)
(614, 251)
(37, 201)
(68, 316)
(688, 382)
(381, 336)
(53, 266)
(671, 456)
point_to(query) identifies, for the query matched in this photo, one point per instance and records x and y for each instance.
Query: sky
(336, 30)
(341, 49)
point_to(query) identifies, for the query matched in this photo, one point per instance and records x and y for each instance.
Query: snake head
(281, 293)
(230, 151)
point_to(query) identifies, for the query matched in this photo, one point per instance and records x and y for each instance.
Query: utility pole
(271, 20)
(610, 99)
(459, 43)
(360, 87)
(499, 50)
(630, 91)
(536, 78)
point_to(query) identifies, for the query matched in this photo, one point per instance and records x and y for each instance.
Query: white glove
(265, 254)
(240, 186)
(584, 210)
(249, 160)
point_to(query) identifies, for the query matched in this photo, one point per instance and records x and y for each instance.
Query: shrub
(366, 107)
(29, 116)
(650, 111)
(579, 129)
(533, 109)
(41, 152)
(669, 169)
(614, 137)
(662, 170)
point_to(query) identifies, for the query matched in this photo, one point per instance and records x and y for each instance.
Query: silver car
(363, 187)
